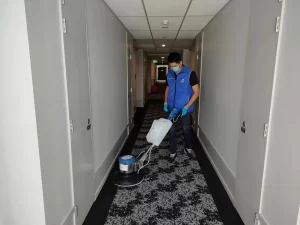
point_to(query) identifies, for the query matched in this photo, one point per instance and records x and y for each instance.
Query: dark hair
(174, 57)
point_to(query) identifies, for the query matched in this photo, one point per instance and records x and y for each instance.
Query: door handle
(89, 126)
(243, 130)
(243, 127)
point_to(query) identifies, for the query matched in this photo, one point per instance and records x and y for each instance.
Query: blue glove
(173, 114)
(184, 111)
(166, 107)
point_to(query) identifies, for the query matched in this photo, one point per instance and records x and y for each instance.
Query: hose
(144, 157)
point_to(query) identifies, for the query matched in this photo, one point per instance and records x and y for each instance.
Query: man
(181, 92)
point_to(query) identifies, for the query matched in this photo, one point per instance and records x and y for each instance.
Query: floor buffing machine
(130, 168)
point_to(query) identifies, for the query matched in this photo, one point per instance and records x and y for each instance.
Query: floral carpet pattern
(171, 194)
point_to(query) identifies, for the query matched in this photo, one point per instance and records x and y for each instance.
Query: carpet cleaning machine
(130, 168)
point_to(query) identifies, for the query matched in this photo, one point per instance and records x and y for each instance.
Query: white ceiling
(186, 18)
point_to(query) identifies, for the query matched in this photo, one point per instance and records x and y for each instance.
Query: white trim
(62, 40)
(262, 220)
(230, 174)
(298, 220)
(112, 164)
(69, 216)
(200, 81)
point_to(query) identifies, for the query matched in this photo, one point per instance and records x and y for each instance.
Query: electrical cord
(140, 154)
(177, 116)
(148, 153)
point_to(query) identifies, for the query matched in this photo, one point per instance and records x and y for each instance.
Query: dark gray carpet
(172, 194)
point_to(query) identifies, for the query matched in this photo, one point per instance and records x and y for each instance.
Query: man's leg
(186, 124)
(172, 138)
(173, 142)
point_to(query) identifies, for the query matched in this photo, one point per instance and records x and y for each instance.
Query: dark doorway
(162, 71)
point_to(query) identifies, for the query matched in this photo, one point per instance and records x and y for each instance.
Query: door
(162, 71)
(76, 60)
(199, 41)
(129, 74)
(259, 74)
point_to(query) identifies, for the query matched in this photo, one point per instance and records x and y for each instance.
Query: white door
(259, 74)
(74, 13)
(129, 74)
(199, 41)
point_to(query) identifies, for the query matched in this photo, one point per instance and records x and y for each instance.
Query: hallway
(175, 194)
(77, 90)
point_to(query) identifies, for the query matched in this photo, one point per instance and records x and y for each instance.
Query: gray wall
(45, 41)
(140, 78)
(281, 195)
(108, 73)
(34, 138)
(225, 40)
(186, 57)
(21, 191)
(133, 80)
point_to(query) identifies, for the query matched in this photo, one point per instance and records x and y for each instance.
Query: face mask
(176, 69)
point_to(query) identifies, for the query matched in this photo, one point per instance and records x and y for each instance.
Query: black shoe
(172, 157)
(190, 152)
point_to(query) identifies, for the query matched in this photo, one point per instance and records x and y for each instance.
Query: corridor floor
(171, 194)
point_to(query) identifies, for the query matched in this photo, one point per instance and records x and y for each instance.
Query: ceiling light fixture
(162, 57)
(165, 23)
(163, 45)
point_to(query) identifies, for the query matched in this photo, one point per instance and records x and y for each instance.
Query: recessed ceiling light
(163, 45)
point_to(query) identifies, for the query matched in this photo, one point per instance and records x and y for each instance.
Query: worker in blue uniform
(181, 92)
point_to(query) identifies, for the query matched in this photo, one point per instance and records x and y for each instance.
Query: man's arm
(196, 90)
(166, 94)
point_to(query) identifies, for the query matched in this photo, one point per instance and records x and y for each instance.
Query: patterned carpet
(156, 96)
(171, 194)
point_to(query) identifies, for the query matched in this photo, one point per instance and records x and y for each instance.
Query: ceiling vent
(165, 24)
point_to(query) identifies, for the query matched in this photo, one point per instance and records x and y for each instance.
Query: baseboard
(223, 171)
(104, 169)
(262, 220)
(140, 103)
(69, 219)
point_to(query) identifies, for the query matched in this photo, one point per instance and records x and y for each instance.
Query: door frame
(196, 120)
(200, 82)
(129, 77)
(75, 210)
(253, 135)
(159, 66)
(267, 149)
